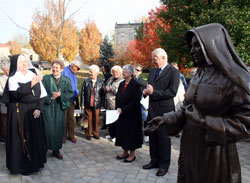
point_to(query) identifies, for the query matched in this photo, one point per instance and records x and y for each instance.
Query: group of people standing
(40, 109)
(213, 116)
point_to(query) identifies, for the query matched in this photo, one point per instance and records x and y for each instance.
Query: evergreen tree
(184, 15)
(106, 51)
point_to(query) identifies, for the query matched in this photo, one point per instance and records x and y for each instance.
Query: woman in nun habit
(216, 110)
(24, 93)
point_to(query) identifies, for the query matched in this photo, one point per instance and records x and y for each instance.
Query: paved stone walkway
(94, 162)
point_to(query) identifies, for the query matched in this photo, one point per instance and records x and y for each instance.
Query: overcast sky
(104, 12)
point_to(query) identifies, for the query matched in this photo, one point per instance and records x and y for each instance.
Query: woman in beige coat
(111, 90)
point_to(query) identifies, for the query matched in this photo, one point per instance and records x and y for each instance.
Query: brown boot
(64, 140)
(4, 130)
(57, 154)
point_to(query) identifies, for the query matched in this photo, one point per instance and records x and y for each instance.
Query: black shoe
(88, 138)
(161, 172)
(119, 158)
(129, 161)
(150, 166)
(97, 137)
(26, 173)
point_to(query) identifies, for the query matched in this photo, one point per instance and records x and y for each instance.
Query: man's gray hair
(5, 64)
(130, 68)
(95, 68)
(160, 52)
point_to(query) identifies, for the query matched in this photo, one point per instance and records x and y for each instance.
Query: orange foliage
(51, 35)
(15, 47)
(122, 57)
(89, 45)
(70, 37)
(182, 68)
(140, 49)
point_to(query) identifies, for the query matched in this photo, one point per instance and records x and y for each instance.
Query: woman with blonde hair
(111, 89)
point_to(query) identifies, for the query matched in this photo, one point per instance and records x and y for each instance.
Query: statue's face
(196, 52)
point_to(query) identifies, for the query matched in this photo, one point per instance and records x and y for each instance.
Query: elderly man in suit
(163, 82)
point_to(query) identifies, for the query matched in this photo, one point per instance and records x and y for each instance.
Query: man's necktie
(157, 73)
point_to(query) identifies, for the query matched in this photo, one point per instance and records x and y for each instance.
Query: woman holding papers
(111, 89)
(129, 126)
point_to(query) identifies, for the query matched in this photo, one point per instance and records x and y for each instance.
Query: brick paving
(94, 162)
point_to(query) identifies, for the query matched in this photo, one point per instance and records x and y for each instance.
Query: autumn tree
(234, 15)
(52, 34)
(14, 47)
(70, 39)
(147, 37)
(122, 56)
(89, 45)
(22, 39)
(106, 51)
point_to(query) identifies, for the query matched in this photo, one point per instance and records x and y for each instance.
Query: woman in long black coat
(24, 93)
(129, 125)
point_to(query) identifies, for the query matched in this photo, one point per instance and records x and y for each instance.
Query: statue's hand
(154, 124)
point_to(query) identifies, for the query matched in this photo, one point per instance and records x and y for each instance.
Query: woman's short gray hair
(130, 68)
(117, 68)
(5, 64)
(95, 68)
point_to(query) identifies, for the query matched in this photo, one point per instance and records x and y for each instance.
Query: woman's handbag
(83, 123)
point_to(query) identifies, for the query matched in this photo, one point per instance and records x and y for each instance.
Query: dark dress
(17, 159)
(129, 124)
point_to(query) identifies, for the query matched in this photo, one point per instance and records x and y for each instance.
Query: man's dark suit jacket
(165, 89)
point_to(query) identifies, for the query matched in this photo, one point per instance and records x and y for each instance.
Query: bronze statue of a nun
(215, 113)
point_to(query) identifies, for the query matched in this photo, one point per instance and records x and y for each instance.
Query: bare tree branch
(13, 20)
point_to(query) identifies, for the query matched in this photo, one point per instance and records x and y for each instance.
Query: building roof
(127, 25)
(4, 45)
